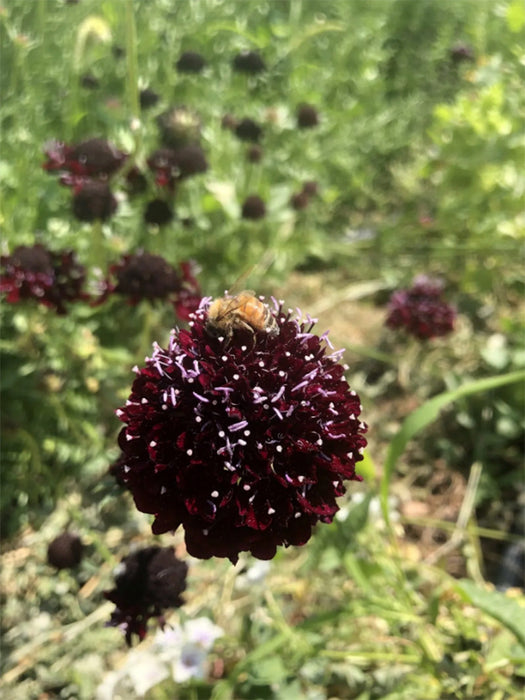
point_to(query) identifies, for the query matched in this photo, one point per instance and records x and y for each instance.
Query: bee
(242, 312)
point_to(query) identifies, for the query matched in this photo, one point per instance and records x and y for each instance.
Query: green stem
(132, 71)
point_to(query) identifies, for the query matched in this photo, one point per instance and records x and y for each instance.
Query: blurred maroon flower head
(93, 201)
(307, 116)
(253, 207)
(143, 276)
(94, 157)
(65, 551)
(461, 52)
(299, 200)
(243, 438)
(420, 310)
(147, 583)
(250, 62)
(148, 98)
(34, 272)
(179, 126)
(190, 62)
(172, 164)
(158, 212)
(248, 130)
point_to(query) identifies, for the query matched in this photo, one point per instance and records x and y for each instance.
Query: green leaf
(497, 605)
(516, 16)
(426, 414)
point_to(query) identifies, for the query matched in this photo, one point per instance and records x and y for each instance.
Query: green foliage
(419, 161)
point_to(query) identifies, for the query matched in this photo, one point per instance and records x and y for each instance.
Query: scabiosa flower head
(307, 116)
(144, 276)
(163, 164)
(249, 62)
(179, 127)
(299, 200)
(190, 160)
(190, 62)
(148, 98)
(248, 130)
(461, 52)
(34, 272)
(253, 207)
(310, 188)
(65, 551)
(148, 582)
(243, 439)
(94, 157)
(93, 201)
(158, 212)
(420, 310)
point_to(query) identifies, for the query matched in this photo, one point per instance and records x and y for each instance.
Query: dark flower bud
(145, 276)
(89, 81)
(147, 583)
(118, 51)
(179, 127)
(248, 130)
(420, 310)
(190, 160)
(93, 201)
(307, 116)
(253, 207)
(65, 551)
(249, 62)
(148, 98)
(190, 62)
(461, 52)
(310, 188)
(254, 154)
(158, 212)
(300, 200)
(163, 163)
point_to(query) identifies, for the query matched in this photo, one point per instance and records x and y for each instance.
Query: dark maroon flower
(307, 116)
(147, 583)
(190, 160)
(164, 165)
(65, 551)
(253, 207)
(93, 201)
(158, 212)
(190, 62)
(248, 130)
(254, 154)
(90, 158)
(299, 200)
(144, 276)
(148, 98)
(243, 439)
(179, 126)
(249, 62)
(420, 310)
(89, 81)
(310, 188)
(461, 52)
(33, 272)
(172, 164)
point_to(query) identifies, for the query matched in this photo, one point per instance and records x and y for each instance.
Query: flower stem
(132, 71)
